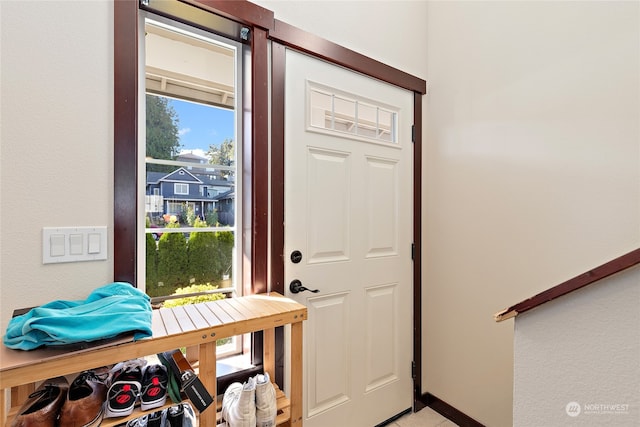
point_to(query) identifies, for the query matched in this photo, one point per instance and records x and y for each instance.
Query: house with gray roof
(171, 192)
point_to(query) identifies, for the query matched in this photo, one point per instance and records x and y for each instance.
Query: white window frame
(180, 188)
(237, 345)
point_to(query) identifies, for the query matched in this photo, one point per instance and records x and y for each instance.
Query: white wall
(531, 173)
(57, 143)
(584, 348)
(390, 31)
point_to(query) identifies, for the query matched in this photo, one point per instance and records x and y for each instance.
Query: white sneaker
(189, 416)
(239, 404)
(266, 406)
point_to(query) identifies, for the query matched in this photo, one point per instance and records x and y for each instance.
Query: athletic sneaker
(239, 404)
(125, 388)
(180, 415)
(156, 419)
(137, 422)
(266, 406)
(154, 387)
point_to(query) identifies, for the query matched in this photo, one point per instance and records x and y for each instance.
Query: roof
(189, 156)
(612, 267)
(175, 176)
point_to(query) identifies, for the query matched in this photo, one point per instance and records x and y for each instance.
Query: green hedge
(175, 262)
(202, 251)
(172, 260)
(152, 261)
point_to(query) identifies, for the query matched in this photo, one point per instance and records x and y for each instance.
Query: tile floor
(426, 417)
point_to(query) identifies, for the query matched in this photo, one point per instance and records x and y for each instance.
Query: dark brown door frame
(263, 27)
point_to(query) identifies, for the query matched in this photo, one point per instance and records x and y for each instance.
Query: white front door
(348, 211)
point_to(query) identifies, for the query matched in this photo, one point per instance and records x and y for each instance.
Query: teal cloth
(110, 310)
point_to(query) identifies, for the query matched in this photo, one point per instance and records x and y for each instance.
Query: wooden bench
(198, 325)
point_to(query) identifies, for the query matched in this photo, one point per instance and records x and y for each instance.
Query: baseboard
(448, 411)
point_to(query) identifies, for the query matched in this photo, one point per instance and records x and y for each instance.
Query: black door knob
(296, 287)
(296, 256)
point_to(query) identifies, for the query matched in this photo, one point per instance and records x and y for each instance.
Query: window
(333, 111)
(252, 185)
(181, 188)
(191, 128)
(173, 208)
(208, 192)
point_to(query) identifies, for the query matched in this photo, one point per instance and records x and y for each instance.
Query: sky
(202, 125)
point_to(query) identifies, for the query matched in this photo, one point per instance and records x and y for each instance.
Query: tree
(224, 154)
(163, 140)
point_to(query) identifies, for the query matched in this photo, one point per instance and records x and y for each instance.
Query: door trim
(417, 251)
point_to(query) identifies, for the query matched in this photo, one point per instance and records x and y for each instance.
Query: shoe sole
(97, 420)
(145, 406)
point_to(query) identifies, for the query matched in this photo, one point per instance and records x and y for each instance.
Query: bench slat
(170, 323)
(196, 317)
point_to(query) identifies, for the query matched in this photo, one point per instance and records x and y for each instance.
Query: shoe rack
(198, 325)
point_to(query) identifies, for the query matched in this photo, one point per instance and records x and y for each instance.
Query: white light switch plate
(73, 244)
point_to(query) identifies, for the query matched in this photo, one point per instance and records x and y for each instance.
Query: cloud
(184, 131)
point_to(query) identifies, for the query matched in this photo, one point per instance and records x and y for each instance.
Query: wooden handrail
(612, 267)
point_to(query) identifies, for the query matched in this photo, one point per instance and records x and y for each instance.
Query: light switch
(75, 244)
(56, 243)
(94, 243)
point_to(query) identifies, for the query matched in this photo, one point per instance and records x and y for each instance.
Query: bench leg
(269, 359)
(296, 374)
(207, 375)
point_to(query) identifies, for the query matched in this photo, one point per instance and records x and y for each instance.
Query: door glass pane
(386, 125)
(344, 114)
(320, 109)
(367, 120)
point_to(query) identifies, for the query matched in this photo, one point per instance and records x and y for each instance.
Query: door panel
(328, 384)
(328, 173)
(382, 200)
(381, 313)
(348, 209)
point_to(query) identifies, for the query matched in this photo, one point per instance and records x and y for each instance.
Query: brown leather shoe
(84, 406)
(41, 409)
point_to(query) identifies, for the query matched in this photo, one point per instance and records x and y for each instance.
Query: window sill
(235, 369)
